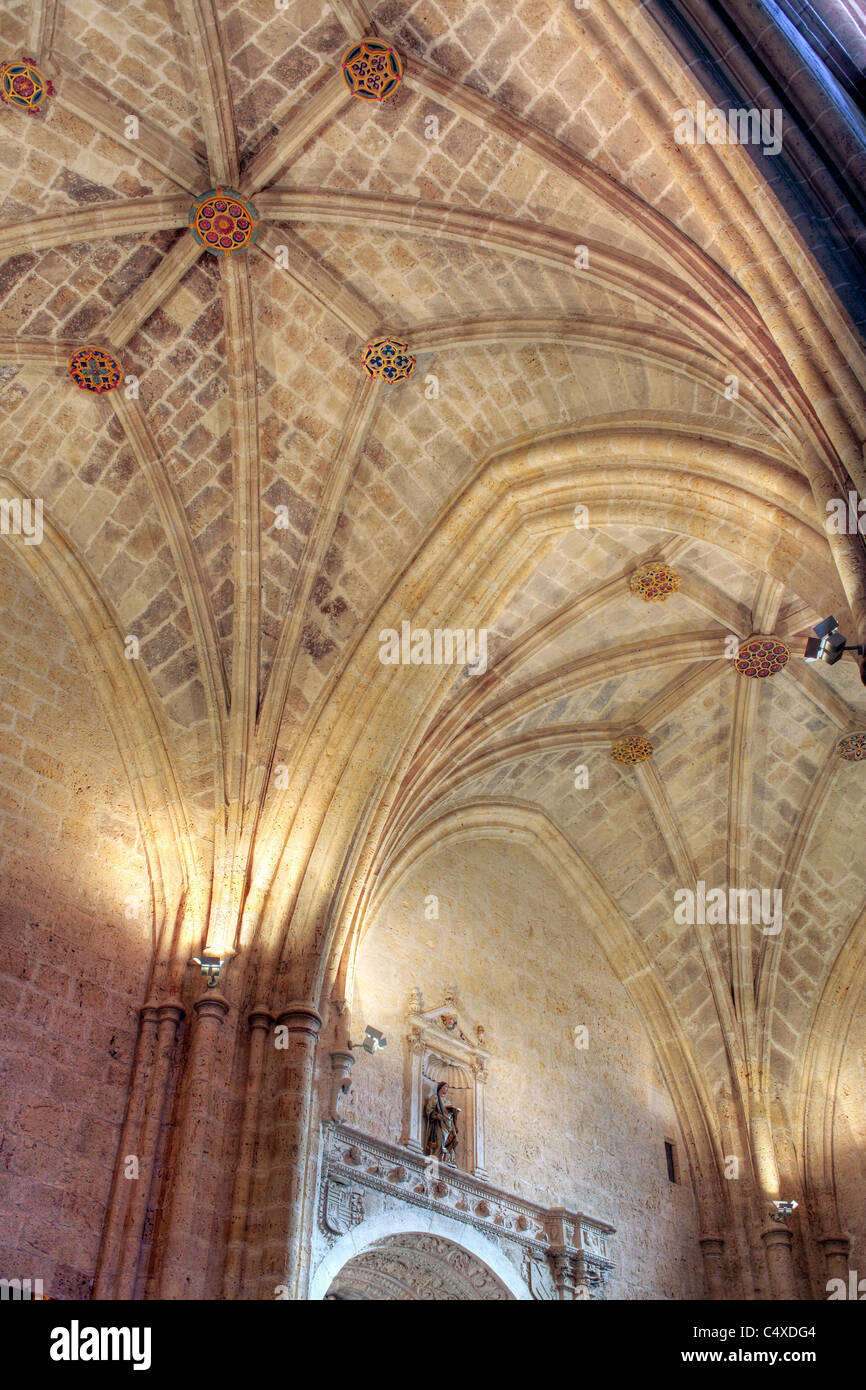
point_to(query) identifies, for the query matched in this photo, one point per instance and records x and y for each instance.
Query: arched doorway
(415, 1265)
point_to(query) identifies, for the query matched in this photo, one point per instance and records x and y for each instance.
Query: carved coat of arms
(344, 1206)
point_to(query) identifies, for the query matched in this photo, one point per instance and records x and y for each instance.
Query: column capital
(835, 1244)
(778, 1235)
(260, 1017)
(212, 1005)
(301, 1016)
(173, 1009)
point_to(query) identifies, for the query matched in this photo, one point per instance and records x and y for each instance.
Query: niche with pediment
(444, 1046)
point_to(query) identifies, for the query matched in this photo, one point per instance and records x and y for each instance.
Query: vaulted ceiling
(261, 508)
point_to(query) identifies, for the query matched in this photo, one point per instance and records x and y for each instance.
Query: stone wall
(74, 948)
(580, 1128)
(849, 1141)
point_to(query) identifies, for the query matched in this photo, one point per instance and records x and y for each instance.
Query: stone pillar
(286, 1254)
(112, 1232)
(415, 1139)
(169, 1016)
(260, 1021)
(837, 1250)
(188, 1242)
(479, 1079)
(582, 1278)
(778, 1249)
(563, 1274)
(713, 1251)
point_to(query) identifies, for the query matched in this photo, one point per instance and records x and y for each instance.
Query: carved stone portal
(416, 1267)
(564, 1252)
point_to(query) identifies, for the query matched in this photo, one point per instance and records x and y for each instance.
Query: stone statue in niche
(440, 1138)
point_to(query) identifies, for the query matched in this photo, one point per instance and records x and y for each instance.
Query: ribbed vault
(256, 511)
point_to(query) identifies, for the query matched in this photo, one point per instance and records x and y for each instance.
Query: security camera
(373, 1040)
(783, 1209)
(210, 966)
(829, 645)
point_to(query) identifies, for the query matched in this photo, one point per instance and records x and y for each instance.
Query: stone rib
(234, 832)
(215, 100)
(354, 18)
(174, 523)
(312, 112)
(358, 422)
(101, 222)
(320, 282)
(147, 297)
(40, 30)
(154, 145)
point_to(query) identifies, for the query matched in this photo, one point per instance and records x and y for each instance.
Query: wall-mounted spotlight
(373, 1040)
(829, 645)
(783, 1209)
(210, 966)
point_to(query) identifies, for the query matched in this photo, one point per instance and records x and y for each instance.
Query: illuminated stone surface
(199, 744)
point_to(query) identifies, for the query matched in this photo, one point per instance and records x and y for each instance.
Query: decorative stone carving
(94, 369)
(23, 85)
(389, 360)
(563, 1274)
(852, 747)
(537, 1279)
(450, 1024)
(372, 70)
(417, 1267)
(591, 1240)
(633, 749)
(568, 1248)
(761, 657)
(344, 1206)
(223, 222)
(654, 581)
(369, 1178)
(442, 1048)
(342, 1063)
